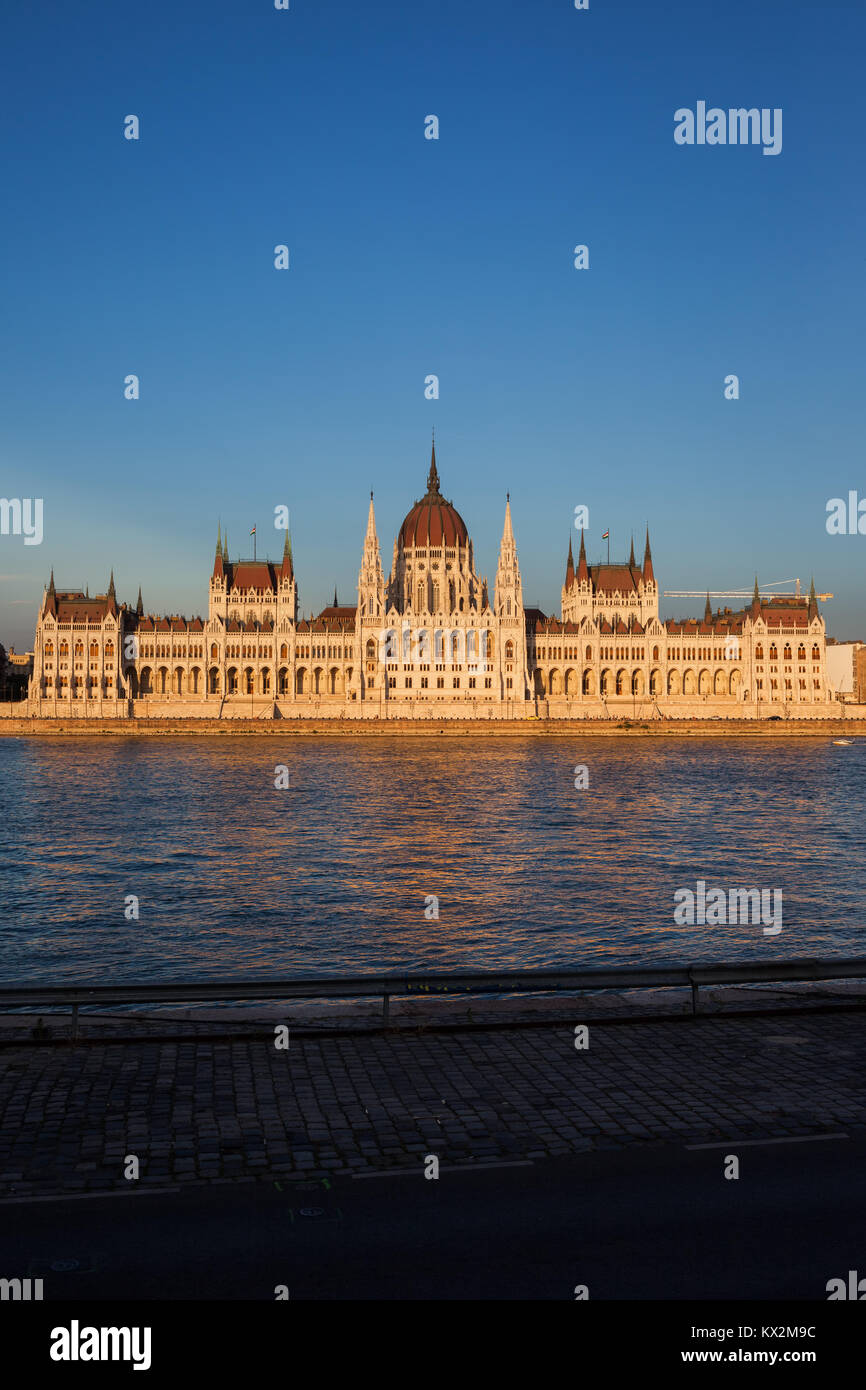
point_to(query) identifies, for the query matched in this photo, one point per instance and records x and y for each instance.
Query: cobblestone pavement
(242, 1111)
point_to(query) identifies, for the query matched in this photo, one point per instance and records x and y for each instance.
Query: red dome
(433, 521)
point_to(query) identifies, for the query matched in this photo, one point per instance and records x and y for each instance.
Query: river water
(331, 874)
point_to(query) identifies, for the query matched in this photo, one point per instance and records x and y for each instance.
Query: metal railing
(694, 977)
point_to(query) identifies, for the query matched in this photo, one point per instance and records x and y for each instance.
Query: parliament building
(429, 641)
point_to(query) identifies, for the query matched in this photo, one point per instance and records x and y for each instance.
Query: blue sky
(601, 387)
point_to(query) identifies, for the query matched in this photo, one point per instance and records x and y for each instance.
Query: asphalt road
(630, 1224)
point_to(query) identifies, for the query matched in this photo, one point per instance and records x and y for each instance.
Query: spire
(111, 592)
(708, 612)
(631, 560)
(648, 561)
(756, 600)
(288, 568)
(433, 475)
(336, 600)
(226, 548)
(371, 582)
(813, 602)
(569, 567)
(507, 531)
(51, 588)
(582, 567)
(139, 607)
(219, 558)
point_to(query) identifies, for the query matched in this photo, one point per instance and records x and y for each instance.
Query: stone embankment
(354, 728)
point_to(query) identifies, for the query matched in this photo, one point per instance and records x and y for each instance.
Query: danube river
(331, 874)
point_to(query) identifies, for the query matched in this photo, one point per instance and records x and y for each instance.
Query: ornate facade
(429, 641)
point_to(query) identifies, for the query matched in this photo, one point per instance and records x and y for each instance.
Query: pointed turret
(507, 598)
(111, 592)
(219, 561)
(139, 607)
(648, 562)
(756, 601)
(569, 567)
(708, 611)
(632, 563)
(336, 600)
(813, 602)
(582, 567)
(507, 529)
(433, 475)
(51, 596)
(287, 569)
(51, 588)
(371, 581)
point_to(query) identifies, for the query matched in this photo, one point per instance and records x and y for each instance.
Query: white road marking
(451, 1168)
(90, 1196)
(786, 1139)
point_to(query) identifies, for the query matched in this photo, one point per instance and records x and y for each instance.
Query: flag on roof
(605, 535)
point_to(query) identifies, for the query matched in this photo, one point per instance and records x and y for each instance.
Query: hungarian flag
(605, 535)
(253, 532)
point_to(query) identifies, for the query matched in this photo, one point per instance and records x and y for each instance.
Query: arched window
(801, 652)
(490, 646)
(774, 652)
(509, 651)
(816, 652)
(371, 649)
(655, 653)
(759, 652)
(284, 652)
(214, 652)
(787, 652)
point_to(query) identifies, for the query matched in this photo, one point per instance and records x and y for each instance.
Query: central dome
(433, 521)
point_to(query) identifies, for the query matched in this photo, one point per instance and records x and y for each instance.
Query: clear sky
(601, 387)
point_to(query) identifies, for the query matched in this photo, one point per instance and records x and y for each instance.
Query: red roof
(252, 574)
(610, 579)
(435, 522)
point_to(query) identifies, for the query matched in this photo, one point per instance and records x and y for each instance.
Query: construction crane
(745, 593)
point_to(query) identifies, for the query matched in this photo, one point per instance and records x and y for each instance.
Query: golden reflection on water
(331, 875)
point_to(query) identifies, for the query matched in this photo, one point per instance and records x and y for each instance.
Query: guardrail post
(385, 1009)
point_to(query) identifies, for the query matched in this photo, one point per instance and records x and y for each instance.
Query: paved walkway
(243, 1111)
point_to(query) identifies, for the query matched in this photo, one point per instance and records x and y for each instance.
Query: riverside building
(429, 641)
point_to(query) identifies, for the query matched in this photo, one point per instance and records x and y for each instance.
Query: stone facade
(429, 642)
